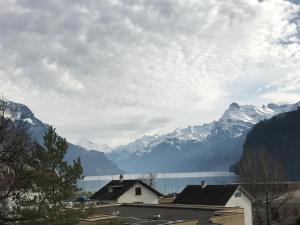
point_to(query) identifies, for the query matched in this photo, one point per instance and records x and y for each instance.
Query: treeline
(34, 179)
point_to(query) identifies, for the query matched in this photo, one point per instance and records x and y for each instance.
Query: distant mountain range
(209, 147)
(212, 146)
(279, 136)
(93, 162)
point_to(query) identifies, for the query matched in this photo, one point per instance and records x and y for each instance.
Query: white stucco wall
(11, 203)
(243, 202)
(147, 196)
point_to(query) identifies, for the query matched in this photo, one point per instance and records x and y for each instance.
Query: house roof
(118, 188)
(210, 195)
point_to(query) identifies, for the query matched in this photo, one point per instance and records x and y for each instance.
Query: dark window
(138, 191)
(238, 194)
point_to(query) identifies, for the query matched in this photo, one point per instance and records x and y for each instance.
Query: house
(7, 177)
(230, 195)
(127, 191)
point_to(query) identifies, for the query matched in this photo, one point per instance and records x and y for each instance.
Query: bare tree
(263, 176)
(15, 150)
(149, 179)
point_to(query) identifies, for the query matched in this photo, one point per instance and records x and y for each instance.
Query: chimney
(203, 184)
(121, 178)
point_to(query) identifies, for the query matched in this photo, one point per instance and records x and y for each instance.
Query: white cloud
(107, 68)
(64, 79)
(284, 89)
(289, 83)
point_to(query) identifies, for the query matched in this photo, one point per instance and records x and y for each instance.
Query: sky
(114, 70)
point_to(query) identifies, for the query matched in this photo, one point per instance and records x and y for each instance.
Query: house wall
(244, 202)
(147, 196)
(11, 202)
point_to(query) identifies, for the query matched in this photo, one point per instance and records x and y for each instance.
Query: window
(110, 190)
(138, 191)
(238, 194)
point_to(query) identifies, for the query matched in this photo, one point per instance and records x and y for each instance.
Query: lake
(163, 182)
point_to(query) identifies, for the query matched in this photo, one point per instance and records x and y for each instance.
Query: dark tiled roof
(119, 188)
(210, 195)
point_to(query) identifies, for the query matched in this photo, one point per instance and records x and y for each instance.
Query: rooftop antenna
(164, 183)
(121, 178)
(203, 184)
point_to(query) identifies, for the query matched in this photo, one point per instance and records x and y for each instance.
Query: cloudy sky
(113, 70)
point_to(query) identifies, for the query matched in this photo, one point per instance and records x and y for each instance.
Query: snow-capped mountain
(16, 111)
(90, 145)
(212, 146)
(93, 162)
(148, 142)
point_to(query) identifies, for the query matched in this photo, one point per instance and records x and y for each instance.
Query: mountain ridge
(196, 142)
(90, 145)
(208, 147)
(93, 162)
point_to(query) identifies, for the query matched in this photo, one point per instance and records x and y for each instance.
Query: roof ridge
(210, 195)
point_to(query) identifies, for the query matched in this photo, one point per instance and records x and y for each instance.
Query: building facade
(127, 191)
(230, 195)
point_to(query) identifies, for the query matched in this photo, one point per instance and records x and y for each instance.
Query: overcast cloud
(113, 70)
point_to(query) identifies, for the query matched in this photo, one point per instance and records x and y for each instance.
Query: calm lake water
(163, 182)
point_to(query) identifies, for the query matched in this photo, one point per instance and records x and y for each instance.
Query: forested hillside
(279, 136)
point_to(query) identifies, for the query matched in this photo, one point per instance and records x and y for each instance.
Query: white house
(127, 191)
(229, 195)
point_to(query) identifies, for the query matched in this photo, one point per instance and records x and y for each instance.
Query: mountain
(279, 136)
(93, 162)
(89, 145)
(213, 146)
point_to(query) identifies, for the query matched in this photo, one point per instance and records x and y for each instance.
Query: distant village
(38, 186)
(136, 201)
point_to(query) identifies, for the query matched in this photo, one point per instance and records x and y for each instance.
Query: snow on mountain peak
(17, 112)
(191, 132)
(234, 122)
(234, 106)
(89, 145)
(246, 113)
